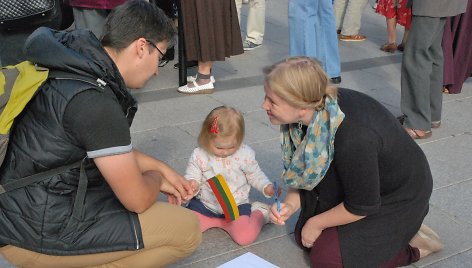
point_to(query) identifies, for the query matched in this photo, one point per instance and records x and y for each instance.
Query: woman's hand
(286, 211)
(310, 232)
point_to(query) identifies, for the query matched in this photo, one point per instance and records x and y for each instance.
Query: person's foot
(192, 78)
(248, 45)
(198, 86)
(262, 207)
(419, 134)
(427, 241)
(336, 80)
(189, 64)
(435, 124)
(389, 47)
(401, 47)
(352, 38)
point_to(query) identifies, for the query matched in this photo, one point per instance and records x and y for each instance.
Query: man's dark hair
(135, 19)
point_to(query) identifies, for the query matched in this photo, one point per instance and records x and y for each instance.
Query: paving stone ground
(167, 126)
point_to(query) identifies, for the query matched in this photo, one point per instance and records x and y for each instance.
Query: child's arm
(194, 172)
(254, 175)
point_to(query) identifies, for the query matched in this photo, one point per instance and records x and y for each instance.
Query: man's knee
(191, 233)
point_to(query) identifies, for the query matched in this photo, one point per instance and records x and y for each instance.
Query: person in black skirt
(212, 33)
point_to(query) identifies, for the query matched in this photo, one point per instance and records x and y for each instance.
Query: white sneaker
(248, 45)
(207, 88)
(192, 78)
(262, 207)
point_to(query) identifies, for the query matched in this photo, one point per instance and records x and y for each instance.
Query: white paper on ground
(248, 260)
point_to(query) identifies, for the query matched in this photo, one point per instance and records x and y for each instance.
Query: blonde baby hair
(222, 121)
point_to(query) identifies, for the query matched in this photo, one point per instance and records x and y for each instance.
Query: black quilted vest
(53, 216)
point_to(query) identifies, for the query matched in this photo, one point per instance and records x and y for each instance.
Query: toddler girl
(221, 151)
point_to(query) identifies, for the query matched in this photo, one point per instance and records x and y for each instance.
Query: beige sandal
(415, 133)
(427, 241)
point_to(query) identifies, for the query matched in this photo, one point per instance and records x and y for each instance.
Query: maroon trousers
(326, 252)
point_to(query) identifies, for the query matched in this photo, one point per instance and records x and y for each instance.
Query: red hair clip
(214, 125)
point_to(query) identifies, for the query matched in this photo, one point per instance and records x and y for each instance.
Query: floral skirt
(395, 9)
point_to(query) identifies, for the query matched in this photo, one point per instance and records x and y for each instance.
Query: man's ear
(140, 46)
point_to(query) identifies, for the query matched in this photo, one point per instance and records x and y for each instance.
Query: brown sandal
(414, 133)
(389, 47)
(354, 38)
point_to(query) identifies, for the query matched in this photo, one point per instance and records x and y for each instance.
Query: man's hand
(173, 196)
(179, 183)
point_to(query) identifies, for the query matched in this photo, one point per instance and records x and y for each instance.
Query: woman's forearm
(293, 198)
(336, 216)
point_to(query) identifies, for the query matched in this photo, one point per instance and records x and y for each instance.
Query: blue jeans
(312, 33)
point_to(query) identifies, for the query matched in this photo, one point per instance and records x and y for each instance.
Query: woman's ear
(302, 112)
(305, 114)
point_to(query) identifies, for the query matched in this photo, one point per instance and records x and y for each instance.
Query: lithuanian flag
(224, 196)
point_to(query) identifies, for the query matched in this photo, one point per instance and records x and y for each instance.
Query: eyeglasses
(153, 45)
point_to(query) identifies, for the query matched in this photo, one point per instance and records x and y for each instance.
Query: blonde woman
(361, 182)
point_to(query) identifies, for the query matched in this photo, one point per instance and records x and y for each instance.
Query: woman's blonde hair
(300, 81)
(222, 122)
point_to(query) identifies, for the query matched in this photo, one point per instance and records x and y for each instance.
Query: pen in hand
(276, 197)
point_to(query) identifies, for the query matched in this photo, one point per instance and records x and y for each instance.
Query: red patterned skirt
(395, 9)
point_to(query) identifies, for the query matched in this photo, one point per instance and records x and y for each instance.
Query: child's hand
(269, 190)
(195, 187)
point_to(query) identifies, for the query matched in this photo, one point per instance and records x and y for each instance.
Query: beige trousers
(255, 27)
(169, 232)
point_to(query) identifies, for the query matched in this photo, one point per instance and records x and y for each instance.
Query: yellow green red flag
(224, 196)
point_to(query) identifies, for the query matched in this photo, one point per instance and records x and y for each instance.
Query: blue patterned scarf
(307, 157)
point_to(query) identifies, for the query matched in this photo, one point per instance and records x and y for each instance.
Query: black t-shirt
(97, 122)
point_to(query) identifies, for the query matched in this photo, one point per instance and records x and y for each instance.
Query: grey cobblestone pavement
(167, 125)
